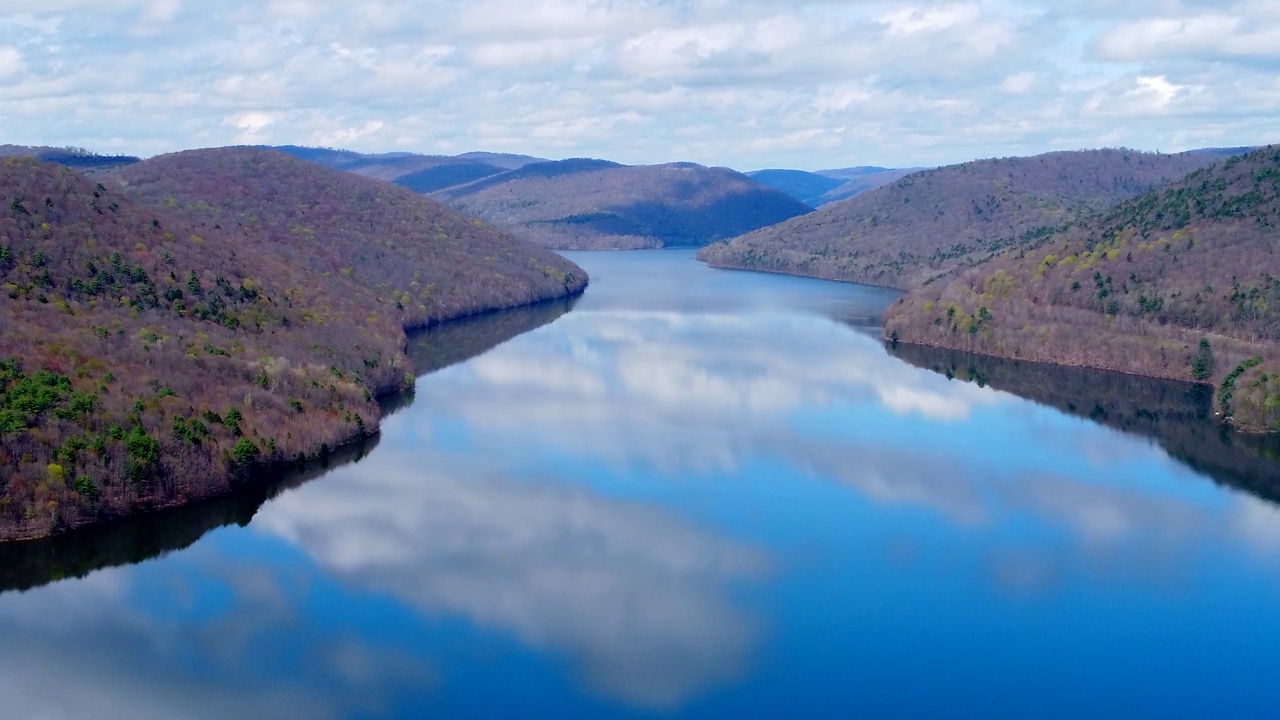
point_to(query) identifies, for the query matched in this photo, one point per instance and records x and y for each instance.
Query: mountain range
(597, 204)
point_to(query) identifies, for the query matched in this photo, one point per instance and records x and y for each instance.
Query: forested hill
(72, 157)
(203, 315)
(584, 203)
(807, 187)
(401, 249)
(1137, 288)
(934, 222)
(398, 166)
(862, 179)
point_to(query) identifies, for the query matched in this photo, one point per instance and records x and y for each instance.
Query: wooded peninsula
(176, 325)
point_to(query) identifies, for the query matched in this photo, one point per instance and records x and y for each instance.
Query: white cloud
(746, 84)
(1018, 83)
(913, 21)
(10, 62)
(250, 125)
(1213, 35)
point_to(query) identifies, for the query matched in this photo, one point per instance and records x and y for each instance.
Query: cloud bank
(746, 83)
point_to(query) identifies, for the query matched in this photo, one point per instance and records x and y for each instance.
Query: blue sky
(747, 83)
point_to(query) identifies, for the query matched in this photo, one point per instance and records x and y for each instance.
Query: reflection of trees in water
(24, 565)
(450, 343)
(1177, 415)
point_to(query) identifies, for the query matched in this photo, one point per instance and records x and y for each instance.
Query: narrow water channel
(693, 493)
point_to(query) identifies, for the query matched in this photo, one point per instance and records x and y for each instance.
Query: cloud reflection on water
(680, 395)
(124, 643)
(591, 491)
(683, 391)
(632, 594)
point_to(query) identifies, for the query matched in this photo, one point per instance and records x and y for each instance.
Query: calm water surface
(697, 494)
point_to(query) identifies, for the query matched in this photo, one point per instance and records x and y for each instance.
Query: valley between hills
(177, 325)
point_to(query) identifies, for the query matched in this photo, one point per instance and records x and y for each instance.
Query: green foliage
(144, 454)
(1202, 364)
(142, 447)
(1227, 389)
(23, 398)
(192, 431)
(85, 486)
(245, 452)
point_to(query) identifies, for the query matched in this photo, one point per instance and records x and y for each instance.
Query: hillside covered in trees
(807, 187)
(582, 203)
(861, 179)
(597, 204)
(30, 564)
(197, 317)
(932, 223)
(404, 167)
(1182, 282)
(80, 159)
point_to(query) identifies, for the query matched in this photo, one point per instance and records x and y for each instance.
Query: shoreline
(267, 473)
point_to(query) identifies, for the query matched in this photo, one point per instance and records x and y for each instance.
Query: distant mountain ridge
(932, 223)
(581, 202)
(413, 167)
(823, 187)
(806, 187)
(446, 175)
(861, 180)
(72, 157)
(585, 203)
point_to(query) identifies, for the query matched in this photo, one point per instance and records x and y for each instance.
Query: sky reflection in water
(699, 493)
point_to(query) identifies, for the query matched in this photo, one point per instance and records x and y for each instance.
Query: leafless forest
(1182, 282)
(187, 321)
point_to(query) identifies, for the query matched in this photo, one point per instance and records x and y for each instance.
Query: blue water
(700, 493)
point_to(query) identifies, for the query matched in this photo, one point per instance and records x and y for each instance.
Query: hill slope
(447, 175)
(934, 222)
(804, 186)
(866, 182)
(72, 157)
(383, 166)
(394, 166)
(197, 316)
(597, 204)
(506, 161)
(1136, 288)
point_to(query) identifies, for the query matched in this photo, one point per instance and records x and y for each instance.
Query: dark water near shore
(695, 493)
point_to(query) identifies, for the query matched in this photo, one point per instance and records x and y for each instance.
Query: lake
(692, 493)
